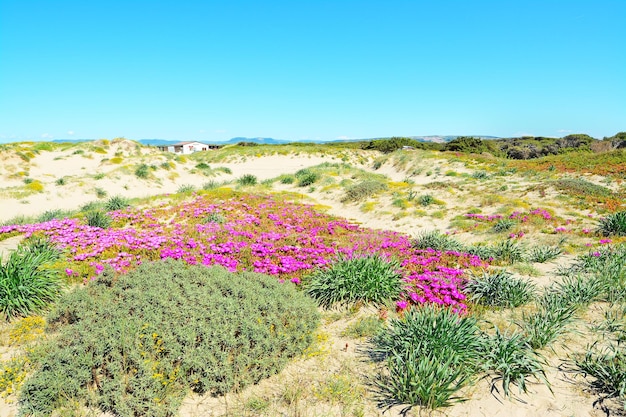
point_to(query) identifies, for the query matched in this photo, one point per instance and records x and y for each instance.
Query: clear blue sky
(212, 70)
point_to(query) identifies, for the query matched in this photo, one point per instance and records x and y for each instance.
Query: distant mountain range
(272, 141)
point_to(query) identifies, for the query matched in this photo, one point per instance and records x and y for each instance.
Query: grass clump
(367, 326)
(98, 218)
(500, 289)
(431, 353)
(48, 215)
(140, 342)
(27, 281)
(437, 241)
(116, 202)
(247, 179)
(306, 177)
(142, 171)
(543, 253)
(510, 359)
(186, 188)
(549, 321)
(613, 224)
(369, 279)
(608, 368)
(363, 190)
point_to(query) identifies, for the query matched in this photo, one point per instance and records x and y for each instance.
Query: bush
(425, 200)
(613, 224)
(499, 288)
(137, 344)
(369, 279)
(142, 171)
(247, 179)
(363, 190)
(27, 283)
(306, 177)
(431, 353)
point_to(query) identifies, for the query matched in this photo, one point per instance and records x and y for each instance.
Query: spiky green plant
(510, 359)
(613, 224)
(499, 288)
(27, 285)
(431, 353)
(98, 218)
(436, 240)
(116, 202)
(247, 179)
(549, 321)
(368, 279)
(543, 253)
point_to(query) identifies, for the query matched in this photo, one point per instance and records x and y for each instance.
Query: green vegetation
(366, 279)
(500, 289)
(247, 179)
(431, 353)
(363, 190)
(98, 218)
(140, 342)
(116, 202)
(613, 224)
(142, 171)
(28, 283)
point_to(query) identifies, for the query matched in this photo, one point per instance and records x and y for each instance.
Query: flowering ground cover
(250, 233)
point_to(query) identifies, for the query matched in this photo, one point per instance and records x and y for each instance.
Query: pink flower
(402, 304)
(605, 241)
(69, 272)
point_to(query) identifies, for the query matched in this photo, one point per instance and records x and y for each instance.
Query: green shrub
(363, 190)
(499, 288)
(369, 279)
(431, 353)
(247, 179)
(425, 200)
(60, 181)
(613, 224)
(27, 282)
(581, 187)
(116, 202)
(136, 344)
(142, 171)
(287, 179)
(203, 165)
(306, 177)
(210, 185)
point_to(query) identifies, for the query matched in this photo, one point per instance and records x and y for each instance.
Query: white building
(186, 148)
